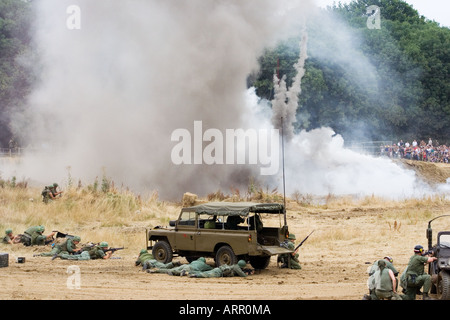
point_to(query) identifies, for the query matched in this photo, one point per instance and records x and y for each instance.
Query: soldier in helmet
(385, 283)
(290, 260)
(50, 193)
(414, 275)
(10, 238)
(371, 271)
(196, 265)
(69, 246)
(35, 237)
(223, 271)
(96, 252)
(147, 261)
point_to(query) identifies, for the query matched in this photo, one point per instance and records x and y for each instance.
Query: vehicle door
(186, 234)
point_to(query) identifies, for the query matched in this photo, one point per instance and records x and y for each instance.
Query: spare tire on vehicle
(4, 259)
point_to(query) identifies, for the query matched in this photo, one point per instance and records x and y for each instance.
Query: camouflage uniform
(96, 252)
(222, 271)
(147, 261)
(290, 260)
(35, 233)
(197, 265)
(6, 239)
(68, 247)
(46, 192)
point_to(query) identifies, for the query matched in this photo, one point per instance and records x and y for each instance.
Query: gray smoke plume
(285, 102)
(114, 85)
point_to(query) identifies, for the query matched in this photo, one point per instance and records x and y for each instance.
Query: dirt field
(348, 237)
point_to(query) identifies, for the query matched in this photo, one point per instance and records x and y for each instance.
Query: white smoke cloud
(111, 93)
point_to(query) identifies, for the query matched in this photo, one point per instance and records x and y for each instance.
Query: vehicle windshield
(444, 240)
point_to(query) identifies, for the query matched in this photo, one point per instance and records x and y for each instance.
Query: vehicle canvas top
(235, 208)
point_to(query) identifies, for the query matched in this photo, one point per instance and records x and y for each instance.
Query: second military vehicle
(440, 269)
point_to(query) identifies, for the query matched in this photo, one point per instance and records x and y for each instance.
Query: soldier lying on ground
(33, 236)
(69, 246)
(99, 251)
(224, 271)
(10, 238)
(147, 261)
(196, 265)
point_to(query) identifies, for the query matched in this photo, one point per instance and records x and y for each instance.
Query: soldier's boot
(366, 297)
(55, 256)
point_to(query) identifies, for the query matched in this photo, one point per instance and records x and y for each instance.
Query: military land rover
(225, 231)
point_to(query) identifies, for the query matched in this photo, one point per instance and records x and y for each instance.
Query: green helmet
(142, 251)
(202, 259)
(103, 244)
(55, 185)
(41, 229)
(291, 236)
(242, 263)
(8, 231)
(76, 238)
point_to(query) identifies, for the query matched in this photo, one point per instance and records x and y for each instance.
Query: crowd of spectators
(423, 151)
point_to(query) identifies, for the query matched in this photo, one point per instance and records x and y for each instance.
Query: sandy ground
(333, 269)
(347, 239)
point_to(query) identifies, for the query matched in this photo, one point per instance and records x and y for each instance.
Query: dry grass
(120, 217)
(115, 216)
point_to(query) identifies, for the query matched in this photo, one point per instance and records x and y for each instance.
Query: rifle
(113, 249)
(295, 250)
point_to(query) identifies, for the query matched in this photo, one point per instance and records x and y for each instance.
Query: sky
(437, 10)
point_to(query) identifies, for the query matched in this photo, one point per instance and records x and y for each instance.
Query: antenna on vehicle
(430, 231)
(284, 180)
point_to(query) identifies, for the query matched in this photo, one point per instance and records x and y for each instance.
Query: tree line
(403, 95)
(394, 84)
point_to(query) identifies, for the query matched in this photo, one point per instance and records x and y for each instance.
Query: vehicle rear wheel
(260, 263)
(445, 285)
(225, 255)
(162, 251)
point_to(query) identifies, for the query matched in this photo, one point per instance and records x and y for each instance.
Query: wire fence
(11, 152)
(373, 148)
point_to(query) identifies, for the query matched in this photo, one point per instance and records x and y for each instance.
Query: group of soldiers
(383, 283)
(68, 250)
(49, 193)
(195, 269)
(65, 249)
(33, 236)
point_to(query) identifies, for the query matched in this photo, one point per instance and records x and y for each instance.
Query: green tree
(14, 77)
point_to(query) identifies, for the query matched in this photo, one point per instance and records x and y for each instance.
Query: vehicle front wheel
(162, 251)
(225, 255)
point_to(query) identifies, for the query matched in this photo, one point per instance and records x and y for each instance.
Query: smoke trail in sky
(285, 102)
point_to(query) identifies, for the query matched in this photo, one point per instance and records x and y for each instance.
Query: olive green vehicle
(225, 231)
(439, 269)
